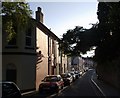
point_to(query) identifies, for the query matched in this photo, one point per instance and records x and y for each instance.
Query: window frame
(28, 38)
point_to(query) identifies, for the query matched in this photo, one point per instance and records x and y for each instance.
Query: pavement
(105, 89)
(29, 93)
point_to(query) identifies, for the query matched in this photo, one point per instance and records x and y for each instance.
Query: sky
(62, 16)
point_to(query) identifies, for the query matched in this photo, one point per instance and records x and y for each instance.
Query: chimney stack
(39, 15)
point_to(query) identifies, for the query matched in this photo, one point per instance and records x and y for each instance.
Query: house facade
(49, 62)
(64, 63)
(75, 63)
(31, 55)
(19, 58)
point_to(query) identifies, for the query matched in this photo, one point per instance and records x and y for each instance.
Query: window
(53, 47)
(59, 52)
(12, 41)
(29, 37)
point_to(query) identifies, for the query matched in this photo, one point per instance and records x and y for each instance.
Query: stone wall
(109, 72)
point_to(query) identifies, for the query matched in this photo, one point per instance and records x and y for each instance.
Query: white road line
(97, 86)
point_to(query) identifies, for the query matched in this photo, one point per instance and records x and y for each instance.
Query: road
(81, 87)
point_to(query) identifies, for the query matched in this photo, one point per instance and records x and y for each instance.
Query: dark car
(51, 83)
(10, 90)
(67, 78)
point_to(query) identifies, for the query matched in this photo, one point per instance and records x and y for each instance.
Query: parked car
(77, 74)
(67, 78)
(10, 90)
(51, 83)
(81, 72)
(73, 75)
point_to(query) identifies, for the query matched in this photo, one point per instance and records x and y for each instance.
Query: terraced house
(32, 55)
(50, 61)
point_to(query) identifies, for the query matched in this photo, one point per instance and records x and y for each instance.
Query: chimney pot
(39, 9)
(39, 15)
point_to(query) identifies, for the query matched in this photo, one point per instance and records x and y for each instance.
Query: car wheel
(69, 83)
(40, 90)
(57, 90)
(62, 87)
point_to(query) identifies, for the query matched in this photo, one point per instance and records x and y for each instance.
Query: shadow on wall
(39, 59)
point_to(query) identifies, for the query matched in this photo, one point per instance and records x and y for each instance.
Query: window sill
(11, 47)
(29, 48)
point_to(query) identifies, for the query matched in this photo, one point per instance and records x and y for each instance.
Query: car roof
(10, 82)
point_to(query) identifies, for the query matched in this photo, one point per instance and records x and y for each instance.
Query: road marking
(97, 86)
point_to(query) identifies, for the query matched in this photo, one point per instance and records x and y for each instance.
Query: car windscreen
(64, 75)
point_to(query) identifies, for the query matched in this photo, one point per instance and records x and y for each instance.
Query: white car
(67, 78)
(73, 75)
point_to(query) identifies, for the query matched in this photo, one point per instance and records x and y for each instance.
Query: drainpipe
(48, 57)
(61, 62)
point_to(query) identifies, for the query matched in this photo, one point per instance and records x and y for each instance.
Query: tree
(108, 29)
(105, 36)
(70, 40)
(15, 15)
(80, 40)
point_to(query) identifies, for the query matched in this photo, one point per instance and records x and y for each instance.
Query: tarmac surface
(105, 89)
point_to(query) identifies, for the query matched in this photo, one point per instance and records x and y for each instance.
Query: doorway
(11, 73)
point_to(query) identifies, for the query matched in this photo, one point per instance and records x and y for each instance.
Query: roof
(47, 31)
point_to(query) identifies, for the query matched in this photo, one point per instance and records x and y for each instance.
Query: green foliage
(10, 30)
(70, 40)
(79, 40)
(109, 27)
(15, 15)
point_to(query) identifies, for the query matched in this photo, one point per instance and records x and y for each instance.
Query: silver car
(73, 75)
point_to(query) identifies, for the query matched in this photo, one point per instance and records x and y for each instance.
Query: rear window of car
(64, 75)
(51, 79)
(68, 75)
(72, 73)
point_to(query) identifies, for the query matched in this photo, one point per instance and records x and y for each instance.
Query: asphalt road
(82, 87)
